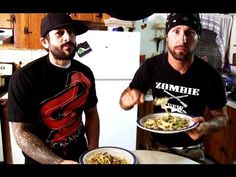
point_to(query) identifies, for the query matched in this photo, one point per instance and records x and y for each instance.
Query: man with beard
(48, 96)
(180, 73)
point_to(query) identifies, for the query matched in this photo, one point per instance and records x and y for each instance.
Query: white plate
(113, 151)
(140, 123)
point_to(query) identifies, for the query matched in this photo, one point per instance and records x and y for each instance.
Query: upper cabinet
(94, 21)
(27, 30)
(6, 20)
(27, 27)
(92, 17)
(6, 28)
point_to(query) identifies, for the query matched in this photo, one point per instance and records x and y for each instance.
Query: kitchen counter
(158, 157)
(231, 103)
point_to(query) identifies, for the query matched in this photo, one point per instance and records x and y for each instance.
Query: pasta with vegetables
(105, 158)
(167, 122)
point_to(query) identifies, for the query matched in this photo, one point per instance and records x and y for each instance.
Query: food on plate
(105, 158)
(167, 122)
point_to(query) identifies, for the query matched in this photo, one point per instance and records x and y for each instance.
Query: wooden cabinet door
(92, 17)
(98, 17)
(34, 30)
(94, 21)
(6, 20)
(229, 153)
(143, 135)
(82, 16)
(214, 144)
(221, 146)
(27, 30)
(20, 40)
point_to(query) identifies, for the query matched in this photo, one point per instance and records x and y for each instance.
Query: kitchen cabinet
(92, 17)
(94, 21)
(142, 135)
(6, 28)
(27, 30)
(221, 146)
(6, 20)
(27, 27)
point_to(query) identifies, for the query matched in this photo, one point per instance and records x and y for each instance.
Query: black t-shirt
(201, 86)
(52, 100)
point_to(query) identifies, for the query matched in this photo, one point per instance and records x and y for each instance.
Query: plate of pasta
(108, 155)
(166, 123)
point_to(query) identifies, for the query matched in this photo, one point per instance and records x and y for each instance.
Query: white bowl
(113, 151)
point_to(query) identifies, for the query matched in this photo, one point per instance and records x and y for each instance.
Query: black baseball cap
(57, 20)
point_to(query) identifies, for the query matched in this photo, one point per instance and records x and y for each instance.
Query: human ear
(44, 42)
(166, 38)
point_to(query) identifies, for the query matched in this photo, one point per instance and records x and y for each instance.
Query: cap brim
(79, 28)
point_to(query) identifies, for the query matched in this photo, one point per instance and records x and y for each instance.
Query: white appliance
(6, 35)
(1, 145)
(114, 59)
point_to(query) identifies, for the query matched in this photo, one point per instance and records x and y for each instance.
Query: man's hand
(197, 132)
(131, 97)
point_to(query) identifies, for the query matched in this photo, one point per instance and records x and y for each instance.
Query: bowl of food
(166, 123)
(108, 155)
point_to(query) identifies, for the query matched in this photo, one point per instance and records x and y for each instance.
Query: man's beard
(61, 55)
(181, 56)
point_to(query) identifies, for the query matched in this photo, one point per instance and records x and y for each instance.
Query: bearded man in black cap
(192, 83)
(48, 96)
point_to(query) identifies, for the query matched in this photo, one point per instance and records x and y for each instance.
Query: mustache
(184, 46)
(69, 43)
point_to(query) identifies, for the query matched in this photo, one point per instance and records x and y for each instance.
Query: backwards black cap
(192, 20)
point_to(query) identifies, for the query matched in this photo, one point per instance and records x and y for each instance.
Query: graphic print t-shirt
(199, 87)
(52, 100)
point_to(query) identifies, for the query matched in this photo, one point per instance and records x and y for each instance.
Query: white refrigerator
(114, 58)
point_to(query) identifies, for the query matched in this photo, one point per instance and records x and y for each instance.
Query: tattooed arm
(34, 147)
(218, 121)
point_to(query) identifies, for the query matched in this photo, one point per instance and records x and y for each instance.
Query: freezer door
(114, 55)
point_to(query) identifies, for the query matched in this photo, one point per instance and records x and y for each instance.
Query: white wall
(148, 44)
(17, 55)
